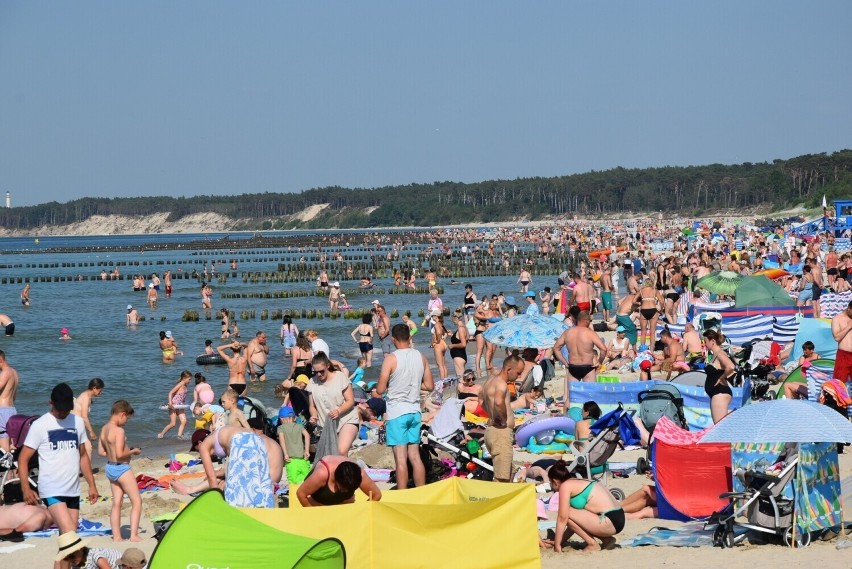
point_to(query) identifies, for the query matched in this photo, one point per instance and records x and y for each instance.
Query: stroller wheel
(617, 493)
(728, 538)
(642, 465)
(718, 536)
(802, 539)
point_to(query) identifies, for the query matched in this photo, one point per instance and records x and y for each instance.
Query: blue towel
(86, 528)
(248, 483)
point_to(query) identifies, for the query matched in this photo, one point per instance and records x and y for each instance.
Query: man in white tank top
(404, 373)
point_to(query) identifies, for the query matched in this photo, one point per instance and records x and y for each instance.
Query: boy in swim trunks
(113, 445)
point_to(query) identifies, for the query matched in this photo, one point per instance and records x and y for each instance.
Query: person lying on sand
(19, 518)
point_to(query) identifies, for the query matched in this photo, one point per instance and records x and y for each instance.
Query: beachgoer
(841, 326)
(236, 365)
(8, 391)
(495, 400)
(74, 552)
(15, 519)
(606, 291)
(25, 295)
(458, 343)
(692, 342)
(330, 396)
(583, 293)
(357, 377)
(383, 327)
(82, 406)
(203, 393)
(177, 404)
(524, 279)
(295, 441)
(7, 323)
(650, 303)
(364, 331)
(132, 316)
(546, 299)
(318, 344)
(64, 334)
(288, 334)
(469, 302)
(439, 344)
(404, 374)
(719, 371)
(675, 358)
(334, 481)
(591, 412)
(582, 362)
(486, 314)
(113, 445)
(167, 346)
(208, 348)
(302, 354)
(230, 403)
(226, 324)
(795, 390)
(334, 296)
(586, 508)
(412, 326)
(257, 353)
(532, 307)
(152, 296)
(57, 437)
(641, 504)
(167, 280)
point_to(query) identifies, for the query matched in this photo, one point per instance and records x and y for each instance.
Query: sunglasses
(320, 371)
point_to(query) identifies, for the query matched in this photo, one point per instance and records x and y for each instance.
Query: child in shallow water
(177, 405)
(113, 445)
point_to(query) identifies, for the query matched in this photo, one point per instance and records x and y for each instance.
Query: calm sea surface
(129, 360)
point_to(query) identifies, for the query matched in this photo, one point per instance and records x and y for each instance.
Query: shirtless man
(383, 328)
(256, 355)
(236, 366)
(7, 323)
(19, 518)
(8, 390)
(152, 296)
(583, 293)
(606, 291)
(82, 406)
(582, 362)
(675, 358)
(167, 280)
(496, 401)
(841, 326)
(132, 316)
(691, 341)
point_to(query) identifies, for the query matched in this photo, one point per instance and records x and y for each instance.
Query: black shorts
(73, 502)
(817, 292)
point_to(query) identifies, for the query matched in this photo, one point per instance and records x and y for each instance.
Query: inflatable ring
(552, 448)
(545, 423)
(209, 359)
(563, 437)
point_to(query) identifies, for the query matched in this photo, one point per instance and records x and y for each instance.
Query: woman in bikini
(583, 428)
(439, 344)
(167, 346)
(480, 318)
(719, 370)
(236, 366)
(586, 508)
(458, 343)
(334, 481)
(493, 316)
(650, 301)
(364, 331)
(468, 391)
(302, 354)
(226, 324)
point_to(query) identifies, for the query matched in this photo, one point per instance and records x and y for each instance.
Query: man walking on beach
(256, 356)
(404, 373)
(8, 391)
(581, 342)
(496, 401)
(58, 438)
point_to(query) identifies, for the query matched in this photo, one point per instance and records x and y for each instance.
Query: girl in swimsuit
(177, 399)
(333, 481)
(649, 301)
(583, 428)
(458, 344)
(302, 355)
(493, 316)
(586, 508)
(288, 335)
(226, 324)
(439, 345)
(719, 370)
(364, 331)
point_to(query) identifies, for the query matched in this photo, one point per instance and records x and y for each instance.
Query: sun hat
(645, 365)
(286, 412)
(620, 329)
(436, 312)
(69, 542)
(302, 378)
(64, 331)
(129, 307)
(335, 284)
(168, 333)
(133, 558)
(62, 397)
(529, 294)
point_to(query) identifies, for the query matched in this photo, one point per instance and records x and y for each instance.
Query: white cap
(168, 333)
(129, 307)
(376, 301)
(150, 285)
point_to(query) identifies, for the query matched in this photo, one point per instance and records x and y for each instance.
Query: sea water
(128, 359)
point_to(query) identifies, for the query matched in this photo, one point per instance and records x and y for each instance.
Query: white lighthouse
(8, 200)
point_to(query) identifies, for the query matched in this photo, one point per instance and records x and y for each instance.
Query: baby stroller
(591, 458)
(764, 506)
(17, 428)
(659, 401)
(448, 434)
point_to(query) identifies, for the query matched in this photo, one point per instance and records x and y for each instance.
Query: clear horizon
(199, 98)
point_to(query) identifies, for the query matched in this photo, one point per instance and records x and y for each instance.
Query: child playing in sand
(113, 444)
(177, 405)
(296, 444)
(235, 414)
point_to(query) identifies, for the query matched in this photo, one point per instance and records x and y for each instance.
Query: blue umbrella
(525, 331)
(782, 421)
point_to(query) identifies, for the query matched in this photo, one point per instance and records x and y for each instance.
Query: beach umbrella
(782, 421)
(525, 331)
(720, 282)
(760, 291)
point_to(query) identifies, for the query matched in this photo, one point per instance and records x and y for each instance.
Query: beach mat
(690, 534)
(86, 528)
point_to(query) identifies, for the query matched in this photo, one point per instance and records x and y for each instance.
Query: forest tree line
(689, 190)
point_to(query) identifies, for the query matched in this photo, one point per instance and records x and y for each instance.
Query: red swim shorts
(843, 365)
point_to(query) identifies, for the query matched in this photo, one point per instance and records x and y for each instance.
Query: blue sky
(201, 97)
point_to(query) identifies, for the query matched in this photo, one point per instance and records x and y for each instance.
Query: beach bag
(548, 370)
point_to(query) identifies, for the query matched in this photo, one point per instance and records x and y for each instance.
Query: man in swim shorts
(606, 291)
(841, 326)
(496, 401)
(7, 323)
(582, 293)
(8, 391)
(404, 373)
(582, 362)
(256, 356)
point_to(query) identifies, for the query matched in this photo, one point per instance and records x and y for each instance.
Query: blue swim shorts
(114, 470)
(404, 430)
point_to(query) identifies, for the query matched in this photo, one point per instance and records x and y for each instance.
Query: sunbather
(641, 504)
(19, 518)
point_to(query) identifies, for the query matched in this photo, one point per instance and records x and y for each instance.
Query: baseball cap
(619, 329)
(286, 412)
(529, 294)
(133, 558)
(129, 307)
(371, 385)
(376, 301)
(377, 405)
(62, 397)
(645, 365)
(64, 331)
(510, 300)
(150, 285)
(302, 378)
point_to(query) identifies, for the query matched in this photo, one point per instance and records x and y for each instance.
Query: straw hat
(70, 542)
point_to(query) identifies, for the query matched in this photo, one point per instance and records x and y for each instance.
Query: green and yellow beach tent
(211, 533)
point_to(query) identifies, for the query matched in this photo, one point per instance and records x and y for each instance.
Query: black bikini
(328, 497)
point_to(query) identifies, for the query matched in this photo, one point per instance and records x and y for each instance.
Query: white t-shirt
(58, 443)
(320, 345)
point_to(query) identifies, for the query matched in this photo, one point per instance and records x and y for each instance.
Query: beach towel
(690, 534)
(248, 483)
(85, 528)
(837, 390)
(147, 483)
(447, 422)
